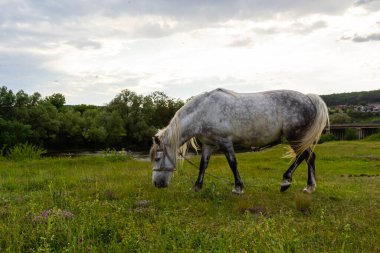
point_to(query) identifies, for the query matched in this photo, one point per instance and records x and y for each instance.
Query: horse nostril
(160, 184)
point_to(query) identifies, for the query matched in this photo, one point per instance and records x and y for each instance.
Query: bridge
(363, 130)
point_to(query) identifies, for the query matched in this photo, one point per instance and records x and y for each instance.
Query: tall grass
(2, 150)
(373, 137)
(116, 156)
(26, 151)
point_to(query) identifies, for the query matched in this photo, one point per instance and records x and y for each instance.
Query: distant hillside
(352, 98)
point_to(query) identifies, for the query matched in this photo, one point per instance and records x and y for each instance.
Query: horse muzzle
(160, 184)
(161, 179)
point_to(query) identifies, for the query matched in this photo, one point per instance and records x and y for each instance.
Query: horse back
(256, 119)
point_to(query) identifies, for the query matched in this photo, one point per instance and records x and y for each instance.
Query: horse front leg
(206, 154)
(230, 155)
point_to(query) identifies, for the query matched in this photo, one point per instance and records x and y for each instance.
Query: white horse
(221, 118)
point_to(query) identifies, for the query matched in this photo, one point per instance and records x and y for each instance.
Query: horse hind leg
(287, 177)
(206, 154)
(311, 182)
(309, 156)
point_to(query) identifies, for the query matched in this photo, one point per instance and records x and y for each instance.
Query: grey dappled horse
(221, 118)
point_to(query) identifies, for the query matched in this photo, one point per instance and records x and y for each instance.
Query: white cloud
(241, 42)
(90, 51)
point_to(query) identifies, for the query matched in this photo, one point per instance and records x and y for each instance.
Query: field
(108, 204)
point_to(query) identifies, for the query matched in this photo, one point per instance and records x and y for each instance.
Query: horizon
(175, 98)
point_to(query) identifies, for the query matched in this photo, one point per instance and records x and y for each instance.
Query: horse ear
(156, 140)
(152, 153)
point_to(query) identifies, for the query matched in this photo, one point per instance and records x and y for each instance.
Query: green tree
(129, 105)
(71, 126)
(13, 132)
(340, 117)
(352, 98)
(7, 102)
(57, 100)
(114, 127)
(128, 120)
(44, 119)
(34, 99)
(164, 108)
(142, 116)
(93, 131)
(20, 110)
(82, 107)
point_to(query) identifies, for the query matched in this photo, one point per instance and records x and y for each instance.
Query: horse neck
(190, 126)
(180, 129)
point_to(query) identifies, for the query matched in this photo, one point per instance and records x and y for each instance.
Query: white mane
(170, 136)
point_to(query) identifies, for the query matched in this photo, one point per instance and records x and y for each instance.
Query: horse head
(163, 163)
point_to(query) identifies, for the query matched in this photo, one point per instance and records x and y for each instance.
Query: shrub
(26, 151)
(2, 150)
(303, 202)
(375, 120)
(113, 155)
(373, 137)
(351, 134)
(326, 137)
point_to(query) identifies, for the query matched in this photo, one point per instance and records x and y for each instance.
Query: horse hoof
(284, 187)
(197, 188)
(286, 183)
(238, 191)
(309, 189)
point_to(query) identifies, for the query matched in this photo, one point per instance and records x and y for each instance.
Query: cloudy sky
(90, 50)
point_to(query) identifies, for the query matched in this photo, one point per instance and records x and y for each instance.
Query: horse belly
(257, 135)
(248, 131)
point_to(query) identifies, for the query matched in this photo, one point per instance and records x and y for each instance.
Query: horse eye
(157, 159)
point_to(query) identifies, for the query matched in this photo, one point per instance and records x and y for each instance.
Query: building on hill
(357, 108)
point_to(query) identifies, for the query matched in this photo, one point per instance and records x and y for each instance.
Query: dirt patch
(44, 216)
(142, 206)
(257, 210)
(265, 168)
(361, 175)
(367, 157)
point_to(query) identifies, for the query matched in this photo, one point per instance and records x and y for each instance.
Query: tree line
(352, 98)
(128, 121)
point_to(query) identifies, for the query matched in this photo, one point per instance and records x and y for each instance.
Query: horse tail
(185, 147)
(312, 135)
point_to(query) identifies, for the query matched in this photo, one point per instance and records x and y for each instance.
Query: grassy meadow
(108, 204)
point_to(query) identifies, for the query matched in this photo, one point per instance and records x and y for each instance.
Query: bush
(26, 151)
(326, 137)
(113, 155)
(373, 137)
(340, 117)
(375, 120)
(351, 134)
(2, 150)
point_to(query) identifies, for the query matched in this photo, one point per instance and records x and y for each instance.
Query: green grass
(98, 204)
(24, 151)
